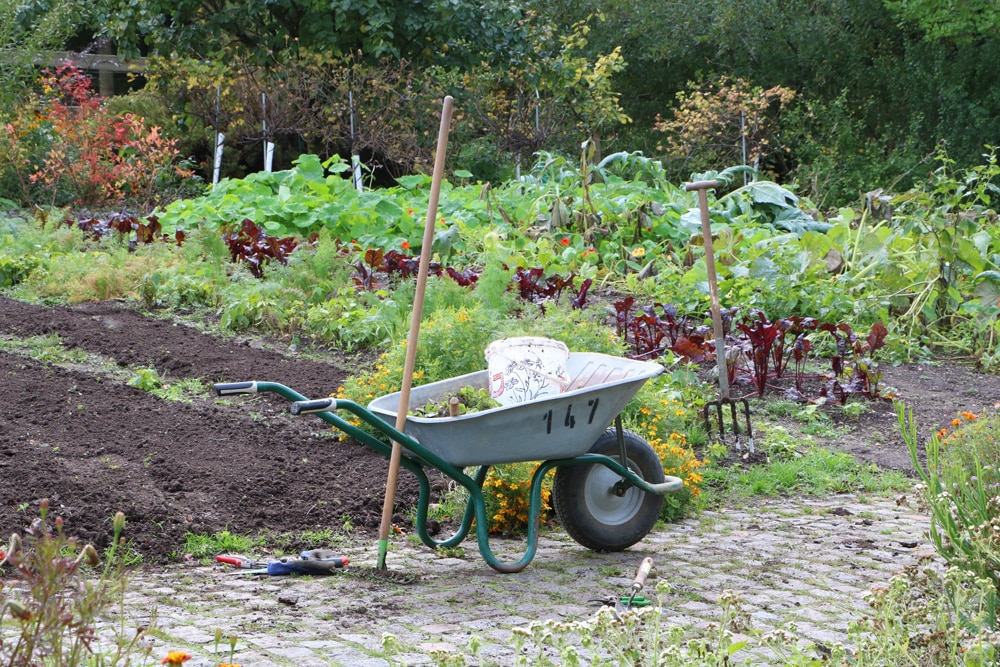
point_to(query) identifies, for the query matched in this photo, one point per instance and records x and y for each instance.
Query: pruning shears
(315, 561)
(242, 563)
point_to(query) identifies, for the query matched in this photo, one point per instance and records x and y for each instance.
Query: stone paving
(803, 561)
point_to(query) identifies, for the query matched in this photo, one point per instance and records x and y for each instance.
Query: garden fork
(718, 406)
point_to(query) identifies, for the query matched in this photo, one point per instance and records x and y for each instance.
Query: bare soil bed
(94, 446)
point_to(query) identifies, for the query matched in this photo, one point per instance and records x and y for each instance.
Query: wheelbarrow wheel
(586, 502)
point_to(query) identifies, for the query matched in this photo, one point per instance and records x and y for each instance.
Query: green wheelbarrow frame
(416, 458)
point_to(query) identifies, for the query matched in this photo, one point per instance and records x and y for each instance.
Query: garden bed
(94, 445)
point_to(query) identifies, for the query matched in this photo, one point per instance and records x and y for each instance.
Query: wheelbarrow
(609, 482)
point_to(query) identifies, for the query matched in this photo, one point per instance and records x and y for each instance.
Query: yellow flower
(175, 658)
(638, 252)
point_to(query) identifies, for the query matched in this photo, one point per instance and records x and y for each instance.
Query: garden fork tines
(741, 434)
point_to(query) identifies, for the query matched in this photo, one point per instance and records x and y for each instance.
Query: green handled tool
(640, 580)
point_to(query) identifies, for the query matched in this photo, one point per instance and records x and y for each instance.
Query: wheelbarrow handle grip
(317, 405)
(227, 388)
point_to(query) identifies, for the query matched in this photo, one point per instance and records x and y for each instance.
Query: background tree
(967, 21)
(424, 31)
(27, 28)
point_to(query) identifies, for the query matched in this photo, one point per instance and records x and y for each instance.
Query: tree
(417, 30)
(962, 22)
(27, 28)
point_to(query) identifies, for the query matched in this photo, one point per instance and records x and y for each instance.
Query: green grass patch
(44, 349)
(209, 546)
(183, 390)
(814, 472)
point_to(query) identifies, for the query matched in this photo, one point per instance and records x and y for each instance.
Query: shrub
(64, 147)
(727, 121)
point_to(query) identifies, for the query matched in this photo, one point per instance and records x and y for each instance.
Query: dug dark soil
(93, 445)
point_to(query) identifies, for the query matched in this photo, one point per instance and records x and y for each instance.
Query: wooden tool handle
(701, 185)
(640, 577)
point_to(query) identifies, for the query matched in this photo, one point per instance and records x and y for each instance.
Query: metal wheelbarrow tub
(552, 427)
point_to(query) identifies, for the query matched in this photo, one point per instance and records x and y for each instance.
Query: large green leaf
(967, 252)
(310, 167)
(988, 287)
(798, 221)
(768, 192)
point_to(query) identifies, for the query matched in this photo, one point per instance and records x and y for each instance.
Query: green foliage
(584, 84)
(961, 487)
(963, 22)
(467, 400)
(148, 379)
(300, 201)
(25, 29)
(873, 95)
(838, 158)
(393, 29)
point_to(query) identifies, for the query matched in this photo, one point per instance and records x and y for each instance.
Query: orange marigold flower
(175, 658)
(969, 415)
(405, 245)
(956, 422)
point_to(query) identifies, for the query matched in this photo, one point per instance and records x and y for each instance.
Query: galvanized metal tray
(552, 427)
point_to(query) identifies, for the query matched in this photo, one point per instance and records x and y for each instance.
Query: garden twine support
(411, 341)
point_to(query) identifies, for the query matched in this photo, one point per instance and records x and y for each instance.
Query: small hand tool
(623, 603)
(314, 561)
(638, 583)
(240, 562)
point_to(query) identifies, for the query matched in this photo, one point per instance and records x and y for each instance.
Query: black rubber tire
(584, 501)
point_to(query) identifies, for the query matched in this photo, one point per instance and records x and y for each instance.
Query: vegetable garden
(604, 256)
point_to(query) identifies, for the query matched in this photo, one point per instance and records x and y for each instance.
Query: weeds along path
(94, 445)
